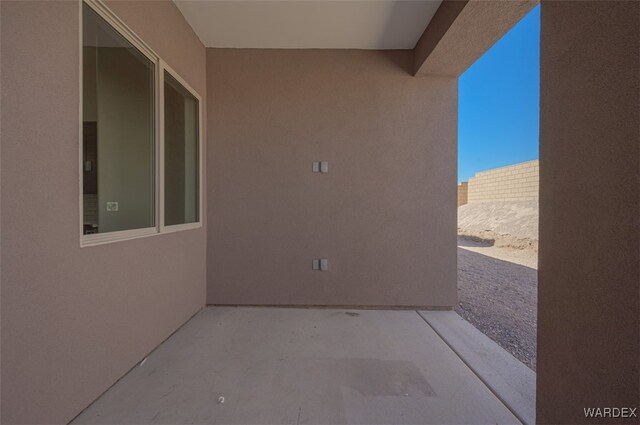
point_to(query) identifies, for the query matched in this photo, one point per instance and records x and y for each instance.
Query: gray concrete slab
(512, 381)
(300, 366)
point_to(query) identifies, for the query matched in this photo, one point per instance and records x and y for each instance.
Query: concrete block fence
(518, 182)
(463, 193)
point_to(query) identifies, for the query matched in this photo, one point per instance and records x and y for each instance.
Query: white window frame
(160, 66)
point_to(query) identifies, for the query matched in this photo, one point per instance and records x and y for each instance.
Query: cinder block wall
(519, 182)
(463, 193)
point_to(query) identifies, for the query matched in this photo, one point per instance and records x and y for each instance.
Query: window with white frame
(140, 137)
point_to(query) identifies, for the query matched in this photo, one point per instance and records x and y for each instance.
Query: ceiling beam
(463, 30)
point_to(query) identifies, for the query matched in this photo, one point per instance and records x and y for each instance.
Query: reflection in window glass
(118, 130)
(181, 173)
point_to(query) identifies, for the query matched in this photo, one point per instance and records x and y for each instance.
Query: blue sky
(498, 102)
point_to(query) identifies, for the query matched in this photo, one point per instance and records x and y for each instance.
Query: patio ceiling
(309, 24)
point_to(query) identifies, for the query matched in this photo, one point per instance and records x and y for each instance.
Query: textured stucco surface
(462, 31)
(75, 320)
(589, 277)
(382, 216)
(437, 28)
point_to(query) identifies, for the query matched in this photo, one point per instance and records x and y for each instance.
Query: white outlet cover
(324, 264)
(112, 206)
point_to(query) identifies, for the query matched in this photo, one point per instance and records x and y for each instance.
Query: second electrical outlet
(321, 264)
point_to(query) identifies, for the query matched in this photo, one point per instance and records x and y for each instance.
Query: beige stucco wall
(385, 214)
(463, 193)
(76, 319)
(518, 182)
(589, 276)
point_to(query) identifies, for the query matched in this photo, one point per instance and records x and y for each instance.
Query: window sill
(123, 235)
(127, 235)
(180, 227)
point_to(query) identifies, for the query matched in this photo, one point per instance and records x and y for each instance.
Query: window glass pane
(118, 130)
(181, 173)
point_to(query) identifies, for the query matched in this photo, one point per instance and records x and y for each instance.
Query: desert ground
(497, 274)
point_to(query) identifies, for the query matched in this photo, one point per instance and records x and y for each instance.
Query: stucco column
(589, 280)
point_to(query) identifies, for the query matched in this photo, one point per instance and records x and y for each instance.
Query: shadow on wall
(397, 17)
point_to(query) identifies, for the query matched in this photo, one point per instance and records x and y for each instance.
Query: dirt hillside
(513, 224)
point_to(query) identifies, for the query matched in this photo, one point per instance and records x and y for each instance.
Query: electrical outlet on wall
(324, 264)
(112, 206)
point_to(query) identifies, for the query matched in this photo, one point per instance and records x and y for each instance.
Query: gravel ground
(498, 292)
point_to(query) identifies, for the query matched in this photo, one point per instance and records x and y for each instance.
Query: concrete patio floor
(303, 366)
